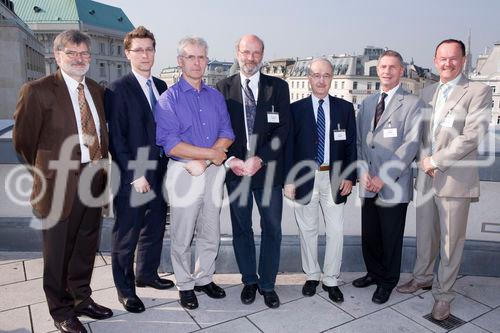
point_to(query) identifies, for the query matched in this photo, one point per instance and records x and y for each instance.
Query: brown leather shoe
(441, 310)
(412, 286)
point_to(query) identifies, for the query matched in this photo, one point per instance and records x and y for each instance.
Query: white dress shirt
(143, 83)
(72, 86)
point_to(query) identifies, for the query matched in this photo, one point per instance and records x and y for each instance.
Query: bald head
(249, 52)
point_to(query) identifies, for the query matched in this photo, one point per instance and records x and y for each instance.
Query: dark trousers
(69, 250)
(243, 237)
(141, 227)
(382, 230)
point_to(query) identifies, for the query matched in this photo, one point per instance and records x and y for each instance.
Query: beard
(72, 70)
(249, 69)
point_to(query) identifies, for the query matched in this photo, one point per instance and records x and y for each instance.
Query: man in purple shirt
(194, 129)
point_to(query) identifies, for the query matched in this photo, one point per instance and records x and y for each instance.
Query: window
(498, 120)
(377, 85)
(355, 85)
(373, 71)
(102, 70)
(119, 50)
(335, 85)
(493, 89)
(342, 85)
(354, 99)
(302, 84)
(292, 83)
(101, 48)
(119, 70)
(369, 86)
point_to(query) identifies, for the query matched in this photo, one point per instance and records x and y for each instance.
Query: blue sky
(313, 28)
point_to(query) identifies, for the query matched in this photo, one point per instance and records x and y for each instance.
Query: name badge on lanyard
(273, 116)
(391, 132)
(339, 134)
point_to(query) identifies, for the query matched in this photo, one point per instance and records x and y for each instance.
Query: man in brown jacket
(60, 131)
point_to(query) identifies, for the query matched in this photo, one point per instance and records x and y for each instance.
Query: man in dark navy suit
(140, 208)
(259, 107)
(321, 149)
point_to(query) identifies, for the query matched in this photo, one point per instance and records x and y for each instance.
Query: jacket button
(373, 147)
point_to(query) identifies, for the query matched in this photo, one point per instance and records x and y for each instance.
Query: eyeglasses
(246, 53)
(74, 54)
(317, 76)
(148, 50)
(193, 58)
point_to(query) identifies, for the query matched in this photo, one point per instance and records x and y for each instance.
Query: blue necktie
(153, 101)
(320, 129)
(152, 97)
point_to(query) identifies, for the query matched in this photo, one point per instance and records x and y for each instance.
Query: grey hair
(322, 59)
(191, 40)
(237, 45)
(71, 36)
(392, 53)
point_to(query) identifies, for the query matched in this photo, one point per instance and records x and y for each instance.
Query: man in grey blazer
(388, 130)
(458, 113)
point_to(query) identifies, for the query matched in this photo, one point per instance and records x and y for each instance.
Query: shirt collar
(142, 80)
(451, 83)
(72, 83)
(391, 92)
(185, 86)
(326, 101)
(254, 80)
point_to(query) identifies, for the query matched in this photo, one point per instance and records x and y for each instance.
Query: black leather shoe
(159, 283)
(188, 299)
(364, 282)
(132, 304)
(248, 293)
(309, 288)
(271, 299)
(94, 311)
(72, 325)
(212, 290)
(334, 293)
(381, 295)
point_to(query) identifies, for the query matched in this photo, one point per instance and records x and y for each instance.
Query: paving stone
(416, 307)
(19, 294)
(480, 288)
(42, 321)
(34, 267)
(308, 314)
(15, 321)
(469, 328)
(489, 321)
(358, 301)
(386, 320)
(240, 325)
(165, 318)
(214, 311)
(12, 272)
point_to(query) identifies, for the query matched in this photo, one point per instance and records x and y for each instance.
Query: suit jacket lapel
(395, 103)
(455, 96)
(62, 93)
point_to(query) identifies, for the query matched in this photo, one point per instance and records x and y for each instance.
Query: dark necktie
(89, 132)
(250, 107)
(379, 110)
(153, 101)
(320, 130)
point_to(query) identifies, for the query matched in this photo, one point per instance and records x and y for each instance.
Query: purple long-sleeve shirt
(184, 114)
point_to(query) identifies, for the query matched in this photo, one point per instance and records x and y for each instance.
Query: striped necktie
(89, 132)
(320, 130)
(153, 100)
(250, 107)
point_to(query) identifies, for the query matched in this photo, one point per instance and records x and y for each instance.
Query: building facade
(106, 25)
(21, 57)
(487, 71)
(355, 76)
(215, 71)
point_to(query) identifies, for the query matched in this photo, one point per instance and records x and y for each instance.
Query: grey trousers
(440, 229)
(195, 204)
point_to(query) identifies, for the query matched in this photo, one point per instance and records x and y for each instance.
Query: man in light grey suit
(458, 114)
(388, 137)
